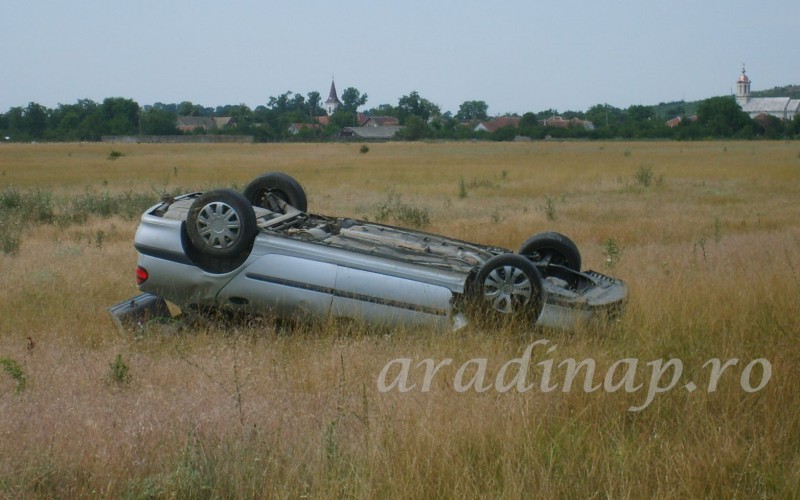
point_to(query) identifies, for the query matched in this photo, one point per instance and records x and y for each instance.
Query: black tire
(278, 184)
(221, 224)
(509, 286)
(552, 248)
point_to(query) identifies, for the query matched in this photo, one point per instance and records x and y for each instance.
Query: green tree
(443, 126)
(414, 105)
(68, 121)
(415, 129)
(507, 133)
(604, 115)
(120, 116)
(722, 117)
(35, 120)
(283, 103)
(156, 121)
(473, 110)
(65, 123)
(528, 120)
(243, 116)
(352, 99)
(15, 124)
(529, 126)
(314, 104)
(186, 108)
(383, 110)
(769, 126)
(639, 114)
(794, 126)
(339, 119)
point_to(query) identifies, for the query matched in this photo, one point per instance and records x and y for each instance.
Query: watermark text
(522, 375)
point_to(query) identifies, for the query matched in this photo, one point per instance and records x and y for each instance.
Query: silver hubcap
(219, 225)
(507, 288)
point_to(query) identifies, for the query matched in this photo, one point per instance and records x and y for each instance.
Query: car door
(388, 300)
(283, 285)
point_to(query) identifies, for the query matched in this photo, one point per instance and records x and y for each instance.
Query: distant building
(784, 108)
(204, 123)
(379, 121)
(295, 128)
(674, 122)
(497, 123)
(333, 102)
(561, 122)
(373, 133)
(678, 120)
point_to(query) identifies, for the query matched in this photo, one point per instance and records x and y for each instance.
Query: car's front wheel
(221, 223)
(509, 286)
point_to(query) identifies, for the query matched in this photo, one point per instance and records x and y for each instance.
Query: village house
(295, 128)
(371, 133)
(497, 123)
(204, 123)
(379, 121)
(674, 122)
(557, 121)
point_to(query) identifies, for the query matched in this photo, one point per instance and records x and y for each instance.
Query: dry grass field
(706, 235)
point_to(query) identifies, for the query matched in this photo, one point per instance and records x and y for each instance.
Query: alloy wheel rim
(507, 288)
(219, 225)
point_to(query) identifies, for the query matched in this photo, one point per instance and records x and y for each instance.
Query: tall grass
(254, 409)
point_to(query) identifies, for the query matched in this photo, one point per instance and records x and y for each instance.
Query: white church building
(784, 108)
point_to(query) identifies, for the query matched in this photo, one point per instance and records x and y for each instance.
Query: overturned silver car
(261, 252)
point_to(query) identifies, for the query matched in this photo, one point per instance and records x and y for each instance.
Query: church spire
(743, 87)
(333, 102)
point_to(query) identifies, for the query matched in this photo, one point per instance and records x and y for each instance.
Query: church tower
(743, 88)
(333, 102)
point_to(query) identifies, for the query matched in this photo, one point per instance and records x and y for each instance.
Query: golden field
(708, 248)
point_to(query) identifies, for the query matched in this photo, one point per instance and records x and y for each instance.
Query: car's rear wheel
(509, 286)
(221, 223)
(552, 248)
(260, 191)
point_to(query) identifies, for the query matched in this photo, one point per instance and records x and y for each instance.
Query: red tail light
(141, 275)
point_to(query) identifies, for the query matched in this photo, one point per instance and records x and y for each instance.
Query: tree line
(86, 120)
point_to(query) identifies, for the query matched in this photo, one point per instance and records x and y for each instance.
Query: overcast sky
(515, 55)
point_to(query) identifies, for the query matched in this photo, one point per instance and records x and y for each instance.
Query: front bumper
(135, 313)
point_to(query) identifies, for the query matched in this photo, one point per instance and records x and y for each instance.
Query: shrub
(120, 372)
(13, 369)
(10, 198)
(644, 175)
(549, 208)
(393, 208)
(10, 237)
(612, 251)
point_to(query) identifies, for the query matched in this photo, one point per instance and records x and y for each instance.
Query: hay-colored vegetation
(706, 235)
